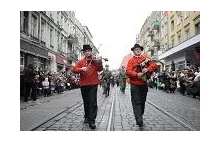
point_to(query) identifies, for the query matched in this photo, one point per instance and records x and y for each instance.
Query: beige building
(172, 36)
(183, 39)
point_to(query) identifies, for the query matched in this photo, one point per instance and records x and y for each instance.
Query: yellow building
(172, 36)
(183, 44)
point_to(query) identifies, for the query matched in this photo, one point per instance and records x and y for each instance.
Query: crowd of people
(186, 81)
(88, 73)
(45, 82)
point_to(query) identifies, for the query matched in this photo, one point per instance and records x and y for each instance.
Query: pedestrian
(138, 86)
(88, 68)
(21, 81)
(122, 79)
(46, 87)
(106, 80)
(30, 83)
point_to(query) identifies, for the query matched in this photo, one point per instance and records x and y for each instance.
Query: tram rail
(108, 111)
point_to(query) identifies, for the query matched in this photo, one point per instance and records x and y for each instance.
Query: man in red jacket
(88, 68)
(139, 87)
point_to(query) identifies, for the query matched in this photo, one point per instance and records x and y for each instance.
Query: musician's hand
(84, 69)
(139, 74)
(144, 70)
(99, 58)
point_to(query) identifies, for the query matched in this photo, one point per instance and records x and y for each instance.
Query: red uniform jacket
(133, 74)
(90, 77)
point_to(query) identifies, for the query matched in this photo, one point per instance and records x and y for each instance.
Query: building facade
(184, 39)
(179, 37)
(150, 35)
(51, 39)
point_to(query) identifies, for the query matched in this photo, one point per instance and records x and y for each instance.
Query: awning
(192, 42)
(61, 60)
(51, 56)
(33, 49)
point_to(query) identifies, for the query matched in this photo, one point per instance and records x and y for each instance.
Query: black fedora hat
(137, 46)
(86, 46)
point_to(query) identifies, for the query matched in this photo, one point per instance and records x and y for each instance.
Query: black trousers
(89, 95)
(138, 99)
(107, 89)
(28, 86)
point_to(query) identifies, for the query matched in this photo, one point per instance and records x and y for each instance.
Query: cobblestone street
(59, 116)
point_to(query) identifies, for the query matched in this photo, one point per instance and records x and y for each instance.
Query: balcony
(150, 34)
(151, 48)
(72, 39)
(155, 25)
(155, 43)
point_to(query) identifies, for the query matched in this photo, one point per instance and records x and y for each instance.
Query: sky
(114, 25)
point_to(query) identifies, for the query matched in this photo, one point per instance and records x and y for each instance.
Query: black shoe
(92, 125)
(139, 123)
(86, 120)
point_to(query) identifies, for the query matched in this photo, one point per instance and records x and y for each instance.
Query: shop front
(32, 54)
(183, 55)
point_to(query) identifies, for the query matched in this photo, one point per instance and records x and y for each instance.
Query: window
(62, 19)
(34, 24)
(185, 14)
(197, 28)
(187, 34)
(43, 29)
(61, 43)
(162, 31)
(40, 62)
(24, 21)
(58, 14)
(172, 42)
(51, 37)
(178, 18)
(172, 25)
(51, 15)
(65, 22)
(21, 58)
(58, 40)
(179, 36)
(35, 62)
(179, 39)
(165, 29)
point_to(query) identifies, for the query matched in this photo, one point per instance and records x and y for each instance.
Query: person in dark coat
(106, 80)
(30, 85)
(122, 79)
